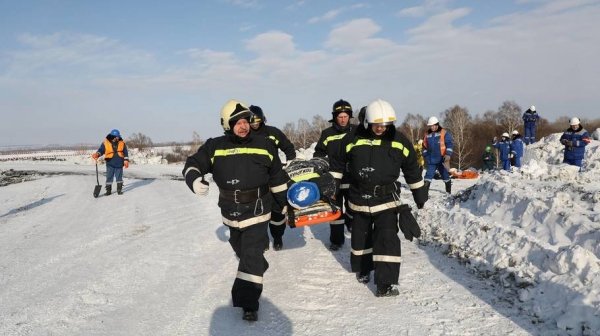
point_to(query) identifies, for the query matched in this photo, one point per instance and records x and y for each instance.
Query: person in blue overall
(504, 147)
(530, 118)
(575, 138)
(116, 156)
(517, 149)
(437, 152)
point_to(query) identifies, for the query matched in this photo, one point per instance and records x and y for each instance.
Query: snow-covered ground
(508, 254)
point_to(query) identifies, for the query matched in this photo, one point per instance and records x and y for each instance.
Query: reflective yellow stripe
(246, 222)
(279, 188)
(250, 277)
(333, 137)
(304, 177)
(274, 139)
(387, 258)
(373, 209)
(377, 142)
(240, 151)
(361, 252)
(405, 151)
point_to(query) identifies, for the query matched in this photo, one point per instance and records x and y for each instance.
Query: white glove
(200, 187)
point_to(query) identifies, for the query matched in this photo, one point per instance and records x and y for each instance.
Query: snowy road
(155, 261)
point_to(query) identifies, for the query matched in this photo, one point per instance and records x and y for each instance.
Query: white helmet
(432, 121)
(379, 112)
(515, 132)
(505, 135)
(574, 121)
(532, 108)
(233, 110)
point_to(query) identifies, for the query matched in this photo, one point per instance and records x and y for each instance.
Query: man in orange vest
(115, 154)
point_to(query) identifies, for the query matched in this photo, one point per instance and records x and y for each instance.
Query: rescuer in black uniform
(328, 146)
(257, 123)
(251, 183)
(373, 156)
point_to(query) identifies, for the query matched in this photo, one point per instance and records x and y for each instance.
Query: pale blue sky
(72, 70)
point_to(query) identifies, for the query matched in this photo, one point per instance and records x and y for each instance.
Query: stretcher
(306, 205)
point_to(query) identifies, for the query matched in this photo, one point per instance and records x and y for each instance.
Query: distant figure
(517, 149)
(575, 138)
(115, 154)
(437, 151)
(504, 147)
(530, 118)
(257, 123)
(489, 159)
(419, 149)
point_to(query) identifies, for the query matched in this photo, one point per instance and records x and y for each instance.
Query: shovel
(98, 187)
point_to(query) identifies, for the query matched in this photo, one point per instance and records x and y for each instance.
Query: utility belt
(243, 196)
(380, 190)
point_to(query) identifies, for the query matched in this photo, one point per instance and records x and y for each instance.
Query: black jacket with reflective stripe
(329, 141)
(240, 164)
(372, 160)
(278, 137)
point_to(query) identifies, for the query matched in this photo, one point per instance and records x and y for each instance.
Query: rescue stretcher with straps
(307, 205)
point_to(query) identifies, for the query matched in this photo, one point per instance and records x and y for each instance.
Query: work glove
(420, 196)
(95, 156)
(568, 143)
(200, 186)
(495, 139)
(446, 158)
(126, 164)
(511, 155)
(407, 222)
(328, 185)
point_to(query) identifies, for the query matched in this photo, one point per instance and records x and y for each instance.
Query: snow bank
(536, 230)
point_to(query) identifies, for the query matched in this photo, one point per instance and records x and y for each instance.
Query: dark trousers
(249, 244)
(529, 137)
(336, 234)
(376, 246)
(277, 225)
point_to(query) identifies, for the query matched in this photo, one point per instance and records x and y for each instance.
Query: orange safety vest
(108, 149)
(442, 141)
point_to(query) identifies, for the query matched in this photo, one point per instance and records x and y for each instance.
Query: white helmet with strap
(233, 110)
(505, 135)
(379, 112)
(532, 108)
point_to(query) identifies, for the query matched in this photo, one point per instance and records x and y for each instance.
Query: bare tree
(510, 116)
(304, 133)
(458, 121)
(413, 127)
(196, 142)
(139, 141)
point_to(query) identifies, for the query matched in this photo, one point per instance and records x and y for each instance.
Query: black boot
(386, 290)
(250, 315)
(120, 188)
(427, 183)
(277, 243)
(108, 189)
(448, 186)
